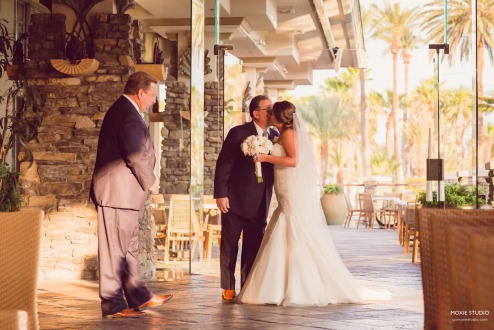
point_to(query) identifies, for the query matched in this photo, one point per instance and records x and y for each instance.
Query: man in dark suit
(123, 176)
(243, 201)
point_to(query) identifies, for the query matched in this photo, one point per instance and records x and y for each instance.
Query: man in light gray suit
(123, 176)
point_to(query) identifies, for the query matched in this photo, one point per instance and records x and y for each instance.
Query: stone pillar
(175, 159)
(213, 132)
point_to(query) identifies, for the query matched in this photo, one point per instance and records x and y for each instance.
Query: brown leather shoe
(155, 301)
(128, 312)
(228, 294)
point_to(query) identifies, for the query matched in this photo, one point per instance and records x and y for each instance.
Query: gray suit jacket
(124, 169)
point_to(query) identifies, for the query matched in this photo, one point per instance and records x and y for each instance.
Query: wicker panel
(433, 252)
(482, 255)
(19, 259)
(460, 272)
(13, 320)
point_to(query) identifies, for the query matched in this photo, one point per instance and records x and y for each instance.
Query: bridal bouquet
(254, 146)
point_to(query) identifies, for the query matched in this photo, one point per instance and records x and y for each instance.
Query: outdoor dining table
(388, 202)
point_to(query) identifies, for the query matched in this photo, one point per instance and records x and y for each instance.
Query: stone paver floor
(374, 257)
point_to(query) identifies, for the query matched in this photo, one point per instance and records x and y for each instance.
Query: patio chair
(351, 211)
(212, 228)
(182, 227)
(388, 214)
(367, 213)
(411, 231)
(19, 259)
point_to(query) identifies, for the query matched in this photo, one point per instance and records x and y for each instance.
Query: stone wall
(213, 131)
(60, 179)
(175, 158)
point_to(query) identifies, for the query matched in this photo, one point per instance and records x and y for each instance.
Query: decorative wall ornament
(247, 96)
(137, 41)
(207, 67)
(81, 31)
(124, 5)
(260, 85)
(184, 63)
(79, 45)
(85, 67)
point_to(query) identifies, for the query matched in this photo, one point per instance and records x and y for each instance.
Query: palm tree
(329, 121)
(364, 111)
(340, 87)
(409, 40)
(381, 103)
(459, 27)
(345, 88)
(458, 111)
(416, 131)
(390, 23)
(383, 163)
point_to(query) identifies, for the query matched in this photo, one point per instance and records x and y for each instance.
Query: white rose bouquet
(254, 146)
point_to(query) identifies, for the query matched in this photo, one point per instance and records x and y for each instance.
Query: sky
(379, 61)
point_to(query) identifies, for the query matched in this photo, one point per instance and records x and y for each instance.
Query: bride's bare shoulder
(288, 133)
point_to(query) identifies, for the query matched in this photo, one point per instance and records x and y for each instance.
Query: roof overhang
(283, 39)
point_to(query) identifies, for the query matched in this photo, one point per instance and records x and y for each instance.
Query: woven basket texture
(19, 260)
(434, 224)
(481, 251)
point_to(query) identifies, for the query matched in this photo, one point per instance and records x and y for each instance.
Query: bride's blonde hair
(283, 112)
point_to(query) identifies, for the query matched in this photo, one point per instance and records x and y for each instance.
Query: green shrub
(333, 189)
(455, 194)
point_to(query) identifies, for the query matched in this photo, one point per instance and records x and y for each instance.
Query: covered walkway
(372, 256)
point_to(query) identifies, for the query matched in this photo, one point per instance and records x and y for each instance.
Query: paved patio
(374, 257)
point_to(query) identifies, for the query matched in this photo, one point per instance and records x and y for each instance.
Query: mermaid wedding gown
(297, 263)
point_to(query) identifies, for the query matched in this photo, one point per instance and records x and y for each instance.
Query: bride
(298, 264)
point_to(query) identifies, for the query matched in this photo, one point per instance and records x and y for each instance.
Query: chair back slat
(181, 211)
(365, 202)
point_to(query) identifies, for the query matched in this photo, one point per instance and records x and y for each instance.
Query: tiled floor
(372, 256)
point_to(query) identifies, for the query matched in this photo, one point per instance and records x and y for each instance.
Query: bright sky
(380, 62)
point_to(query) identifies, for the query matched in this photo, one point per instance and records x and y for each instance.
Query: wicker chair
(411, 231)
(19, 259)
(182, 226)
(350, 211)
(367, 213)
(212, 228)
(435, 224)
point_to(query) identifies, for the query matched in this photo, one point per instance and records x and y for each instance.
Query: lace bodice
(284, 180)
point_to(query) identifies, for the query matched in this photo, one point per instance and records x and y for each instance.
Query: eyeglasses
(269, 110)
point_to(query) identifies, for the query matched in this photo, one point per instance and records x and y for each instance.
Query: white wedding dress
(297, 263)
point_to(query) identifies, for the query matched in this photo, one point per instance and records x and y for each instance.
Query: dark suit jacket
(235, 176)
(124, 169)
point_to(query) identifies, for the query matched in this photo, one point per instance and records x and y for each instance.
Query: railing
(379, 188)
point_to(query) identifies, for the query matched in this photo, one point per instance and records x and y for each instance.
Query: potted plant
(334, 204)
(456, 196)
(20, 118)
